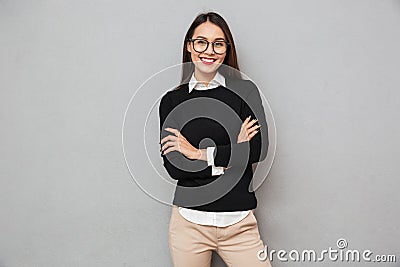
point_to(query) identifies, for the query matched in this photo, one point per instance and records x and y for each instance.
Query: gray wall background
(329, 69)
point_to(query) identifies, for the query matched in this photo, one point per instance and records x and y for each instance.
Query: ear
(188, 47)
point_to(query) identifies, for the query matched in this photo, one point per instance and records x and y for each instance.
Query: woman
(213, 206)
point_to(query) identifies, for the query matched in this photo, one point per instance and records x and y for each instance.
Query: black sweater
(213, 118)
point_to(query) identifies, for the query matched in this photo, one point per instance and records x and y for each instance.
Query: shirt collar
(218, 80)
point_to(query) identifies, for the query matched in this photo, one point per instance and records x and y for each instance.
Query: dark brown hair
(231, 69)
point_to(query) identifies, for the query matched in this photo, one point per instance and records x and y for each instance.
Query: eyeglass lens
(201, 45)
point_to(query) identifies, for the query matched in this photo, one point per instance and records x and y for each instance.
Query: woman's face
(207, 62)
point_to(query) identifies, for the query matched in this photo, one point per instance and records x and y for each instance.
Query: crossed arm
(193, 162)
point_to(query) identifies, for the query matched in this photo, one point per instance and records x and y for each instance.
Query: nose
(209, 49)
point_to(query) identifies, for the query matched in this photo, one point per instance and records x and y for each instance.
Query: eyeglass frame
(208, 43)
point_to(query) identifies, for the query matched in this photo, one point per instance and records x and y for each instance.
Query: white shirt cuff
(210, 162)
(210, 155)
(217, 170)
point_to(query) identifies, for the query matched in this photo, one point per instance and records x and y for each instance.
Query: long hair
(229, 68)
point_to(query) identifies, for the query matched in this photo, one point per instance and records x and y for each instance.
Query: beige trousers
(191, 244)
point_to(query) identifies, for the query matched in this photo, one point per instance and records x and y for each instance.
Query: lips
(207, 60)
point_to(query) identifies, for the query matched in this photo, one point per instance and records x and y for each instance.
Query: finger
(169, 150)
(168, 138)
(254, 128)
(253, 134)
(247, 119)
(172, 130)
(167, 144)
(250, 123)
(176, 132)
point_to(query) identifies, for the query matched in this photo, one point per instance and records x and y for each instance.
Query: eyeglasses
(201, 45)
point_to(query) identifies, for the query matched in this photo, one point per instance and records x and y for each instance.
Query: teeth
(208, 60)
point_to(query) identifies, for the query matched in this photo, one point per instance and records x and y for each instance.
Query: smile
(207, 60)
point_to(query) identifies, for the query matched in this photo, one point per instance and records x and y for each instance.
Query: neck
(204, 78)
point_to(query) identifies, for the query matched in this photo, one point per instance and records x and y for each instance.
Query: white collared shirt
(218, 80)
(220, 219)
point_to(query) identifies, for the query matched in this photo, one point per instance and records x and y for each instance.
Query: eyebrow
(219, 38)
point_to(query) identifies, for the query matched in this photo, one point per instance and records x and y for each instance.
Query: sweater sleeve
(177, 165)
(237, 153)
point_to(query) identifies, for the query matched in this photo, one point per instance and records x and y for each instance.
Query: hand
(247, 131)
(178, 142)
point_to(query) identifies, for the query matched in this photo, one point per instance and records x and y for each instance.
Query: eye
(219, 44)
(201, 42)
